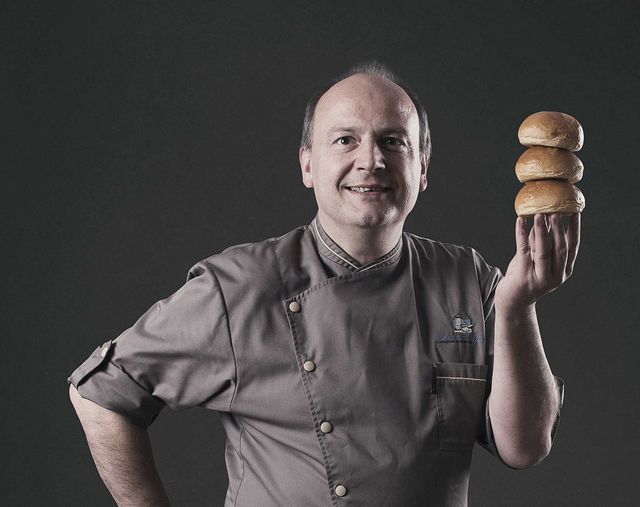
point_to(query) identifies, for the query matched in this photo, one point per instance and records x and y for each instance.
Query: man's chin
(369, 220)
(361, 217)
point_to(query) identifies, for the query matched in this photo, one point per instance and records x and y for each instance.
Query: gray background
(140, 137)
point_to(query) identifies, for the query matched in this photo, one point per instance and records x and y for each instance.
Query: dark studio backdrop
(140, 137)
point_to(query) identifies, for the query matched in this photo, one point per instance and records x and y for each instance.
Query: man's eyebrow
(388, 130)
(395, 130)
(335, 130)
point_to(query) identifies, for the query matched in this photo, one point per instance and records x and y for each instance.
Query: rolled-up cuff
(104, 383)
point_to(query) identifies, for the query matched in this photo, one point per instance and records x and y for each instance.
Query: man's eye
(344, 140)
(392, 141)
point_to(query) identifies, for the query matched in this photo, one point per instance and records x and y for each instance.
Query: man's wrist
(513, 311)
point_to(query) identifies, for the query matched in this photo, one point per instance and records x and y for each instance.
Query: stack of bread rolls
(549, 168)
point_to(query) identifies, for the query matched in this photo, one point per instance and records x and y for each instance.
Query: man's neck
(364, 244)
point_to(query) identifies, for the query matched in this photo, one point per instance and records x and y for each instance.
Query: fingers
(543, 242)
(532, 238)
(559, 261)
(522, 240)
(573, 242)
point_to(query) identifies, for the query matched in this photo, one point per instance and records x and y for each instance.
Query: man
(352, 363)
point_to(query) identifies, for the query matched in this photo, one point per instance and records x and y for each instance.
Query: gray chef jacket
(338, 383)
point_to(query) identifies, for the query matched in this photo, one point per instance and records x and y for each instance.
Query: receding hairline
(406, 103)
(372, 68)
(370, 78)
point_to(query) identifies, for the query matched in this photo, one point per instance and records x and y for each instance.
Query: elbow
(528, 457)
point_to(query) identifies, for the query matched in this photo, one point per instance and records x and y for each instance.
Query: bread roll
(548, 196)
(540, 162)
(553, 129)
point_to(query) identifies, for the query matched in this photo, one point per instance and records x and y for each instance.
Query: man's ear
(305, 166)
(424, 165)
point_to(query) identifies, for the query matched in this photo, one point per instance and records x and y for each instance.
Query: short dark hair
(371, 68)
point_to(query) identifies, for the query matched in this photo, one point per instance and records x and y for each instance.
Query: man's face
(365, 133)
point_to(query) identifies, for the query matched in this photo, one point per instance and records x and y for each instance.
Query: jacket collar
(332, 251)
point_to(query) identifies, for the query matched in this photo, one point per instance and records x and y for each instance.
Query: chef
(352, 363)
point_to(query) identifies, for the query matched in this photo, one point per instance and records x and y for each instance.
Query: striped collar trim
(331, 250)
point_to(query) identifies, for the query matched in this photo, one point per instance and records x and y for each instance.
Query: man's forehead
(364, 96)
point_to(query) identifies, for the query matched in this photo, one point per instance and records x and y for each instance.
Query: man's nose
(369, 156)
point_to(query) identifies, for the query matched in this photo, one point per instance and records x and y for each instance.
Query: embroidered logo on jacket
(462, 324)
(462, 331)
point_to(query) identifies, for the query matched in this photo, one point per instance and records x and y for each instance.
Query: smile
(374, 189)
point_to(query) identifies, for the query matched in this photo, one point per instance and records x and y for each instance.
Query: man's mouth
(363, 189)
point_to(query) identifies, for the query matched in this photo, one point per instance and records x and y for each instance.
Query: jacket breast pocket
(460, 390)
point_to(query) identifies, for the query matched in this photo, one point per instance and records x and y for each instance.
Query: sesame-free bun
(553, 129)
(540, 163)
(548, 196)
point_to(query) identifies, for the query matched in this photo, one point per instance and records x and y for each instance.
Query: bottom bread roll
(548, 196)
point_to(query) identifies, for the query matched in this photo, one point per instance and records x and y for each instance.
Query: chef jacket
(338, 383)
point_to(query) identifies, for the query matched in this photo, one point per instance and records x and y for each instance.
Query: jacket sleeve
(178, 353)
(489, 278)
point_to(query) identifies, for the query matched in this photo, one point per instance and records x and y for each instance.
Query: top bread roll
(553, 129)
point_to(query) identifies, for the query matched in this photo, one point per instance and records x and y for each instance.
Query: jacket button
(326, 427)
(340, 490)
(294, 306)
(309, 366)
